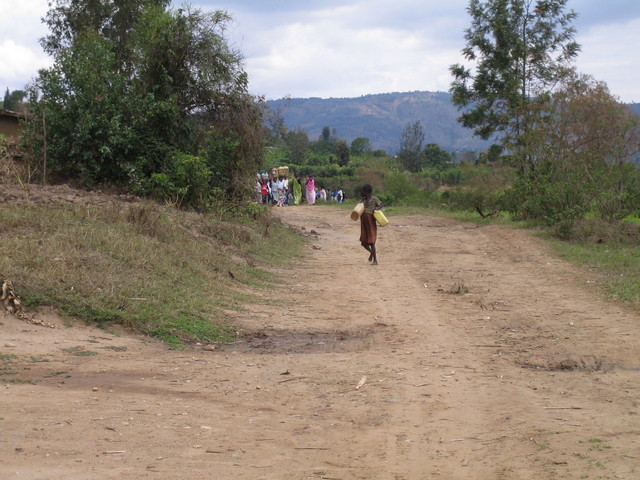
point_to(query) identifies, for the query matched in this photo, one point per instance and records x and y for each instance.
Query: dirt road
(468, 353)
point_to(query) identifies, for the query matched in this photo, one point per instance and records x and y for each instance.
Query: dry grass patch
(148, 267)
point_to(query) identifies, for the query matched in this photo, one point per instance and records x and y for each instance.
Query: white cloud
(341, 48)
(19, 65)
(20, 54)
(609, 54)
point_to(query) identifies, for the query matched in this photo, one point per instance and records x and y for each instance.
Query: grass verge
(159, 271)
(616, 266)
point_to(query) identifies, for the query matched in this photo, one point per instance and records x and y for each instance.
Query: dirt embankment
(468, 353)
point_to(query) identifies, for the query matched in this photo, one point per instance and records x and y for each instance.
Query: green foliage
(360, 146)
(410, 156)
(275, 157)
(400, 186)
(581, 158)
(88, 127)
(220, 153)
(519, 50)
(298, 143)
(480, 189)
(343, 153)
(388, 199)
(435, 157)
(449, 176)
(133, 93)
(186, 185)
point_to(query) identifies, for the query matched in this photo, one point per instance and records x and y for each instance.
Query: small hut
(10, 123)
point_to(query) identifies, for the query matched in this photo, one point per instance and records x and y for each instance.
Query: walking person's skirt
(368, 229)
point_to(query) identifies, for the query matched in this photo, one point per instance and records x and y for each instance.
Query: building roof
(10, 113)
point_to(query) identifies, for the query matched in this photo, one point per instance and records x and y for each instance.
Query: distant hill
(381, 118)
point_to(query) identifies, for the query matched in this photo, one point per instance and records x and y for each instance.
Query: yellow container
(381, 218)
(282, 171)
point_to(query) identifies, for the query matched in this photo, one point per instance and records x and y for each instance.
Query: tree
(143, 84)
(113, 20)
(582, 156)
(343, 153)
(298, 143)
(517, 51)
(14, 101)
(89, 129)
(409, 155)
(435, 157)
(327, 141)
(360, 146)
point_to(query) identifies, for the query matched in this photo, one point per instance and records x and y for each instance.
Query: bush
(400, 186)
(387, 198)
(187, 185)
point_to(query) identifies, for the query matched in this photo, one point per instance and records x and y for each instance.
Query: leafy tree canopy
(436, 157)
(134, 84)
(516, 52)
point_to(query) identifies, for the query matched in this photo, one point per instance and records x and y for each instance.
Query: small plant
(79, 351)
(116, 348)
(459, 289)
(598, 444)
(543, 446)
(38, 359)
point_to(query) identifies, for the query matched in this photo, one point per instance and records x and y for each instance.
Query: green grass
(159, 271)
(616, 267)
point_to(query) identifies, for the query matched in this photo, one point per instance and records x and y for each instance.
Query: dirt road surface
(470, 352)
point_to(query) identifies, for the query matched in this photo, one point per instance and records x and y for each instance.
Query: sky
(350, 48)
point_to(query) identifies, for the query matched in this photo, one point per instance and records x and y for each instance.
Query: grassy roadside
(617, 267)
(156, 270)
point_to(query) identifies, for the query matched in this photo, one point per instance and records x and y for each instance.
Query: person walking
(368, 226)
(311, 190)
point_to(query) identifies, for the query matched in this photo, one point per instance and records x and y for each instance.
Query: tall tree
(582, 154)
(410, 156)
(6, 103)
(516, 52)
(343, 153)
(114, 20)
(298, 143)
(133, 84)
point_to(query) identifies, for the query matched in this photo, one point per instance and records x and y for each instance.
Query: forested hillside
(381, 118)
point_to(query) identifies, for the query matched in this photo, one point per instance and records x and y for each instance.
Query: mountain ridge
(381, 117)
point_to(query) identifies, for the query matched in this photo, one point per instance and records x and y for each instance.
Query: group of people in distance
(282, 190)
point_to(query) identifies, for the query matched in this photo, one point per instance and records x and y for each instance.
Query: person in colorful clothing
(368, 226)
(311, 190)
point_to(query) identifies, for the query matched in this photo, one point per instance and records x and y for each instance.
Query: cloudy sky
(348, 48)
